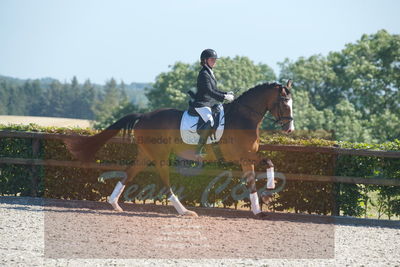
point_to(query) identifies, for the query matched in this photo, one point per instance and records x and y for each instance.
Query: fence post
(335, 189)
(34, 169)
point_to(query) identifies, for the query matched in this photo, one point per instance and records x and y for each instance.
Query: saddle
(216, 113)
(192, 121)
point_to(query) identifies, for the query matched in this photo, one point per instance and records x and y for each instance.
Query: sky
(134, 41)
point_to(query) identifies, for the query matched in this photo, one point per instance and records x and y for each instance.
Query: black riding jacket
(207, 92)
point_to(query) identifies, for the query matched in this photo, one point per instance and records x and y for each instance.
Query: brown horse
(239, 142)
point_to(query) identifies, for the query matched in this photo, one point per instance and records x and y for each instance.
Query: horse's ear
(289, 84)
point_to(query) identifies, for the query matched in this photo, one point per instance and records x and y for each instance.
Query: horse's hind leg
(163, 170)
(139, 164)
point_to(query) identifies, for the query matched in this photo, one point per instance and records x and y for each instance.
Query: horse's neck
(254, 106)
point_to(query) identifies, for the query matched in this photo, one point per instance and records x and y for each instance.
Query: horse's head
(282, 108)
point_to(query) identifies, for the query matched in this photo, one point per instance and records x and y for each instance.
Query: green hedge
(296, 196)
(355, 199)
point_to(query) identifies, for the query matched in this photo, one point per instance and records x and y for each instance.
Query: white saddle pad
(189, 128)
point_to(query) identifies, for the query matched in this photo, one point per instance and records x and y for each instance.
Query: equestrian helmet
(208, 53)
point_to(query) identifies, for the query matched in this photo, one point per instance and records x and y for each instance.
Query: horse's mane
(253, 90)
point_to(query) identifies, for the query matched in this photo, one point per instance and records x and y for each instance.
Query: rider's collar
(212, 73)
(210, 69)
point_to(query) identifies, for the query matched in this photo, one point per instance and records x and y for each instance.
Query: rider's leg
(206, 129)
(206, 114)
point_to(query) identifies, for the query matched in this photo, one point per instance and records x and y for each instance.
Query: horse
(243, 117)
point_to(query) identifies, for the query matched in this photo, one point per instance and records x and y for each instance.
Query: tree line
(49, 97)
(352, 93)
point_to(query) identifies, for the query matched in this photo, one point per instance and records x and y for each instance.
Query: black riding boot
(204, 131)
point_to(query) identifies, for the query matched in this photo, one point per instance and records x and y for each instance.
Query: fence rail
(332, 150)
(266, 147)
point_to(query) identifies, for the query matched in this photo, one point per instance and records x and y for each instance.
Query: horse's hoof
(115, 206)
(261, 215)
(190, 213)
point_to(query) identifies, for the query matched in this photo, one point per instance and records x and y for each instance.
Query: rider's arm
(204, 85)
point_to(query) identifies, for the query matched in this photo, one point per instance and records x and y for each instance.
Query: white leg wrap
(117, 192)
(255, 205)
(177, 204)
(113, 199)
(270, 178)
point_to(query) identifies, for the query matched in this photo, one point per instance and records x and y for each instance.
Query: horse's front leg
(266, 196)
(248, 169)
(270, 172)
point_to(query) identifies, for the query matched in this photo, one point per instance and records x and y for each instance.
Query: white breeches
(206, 114)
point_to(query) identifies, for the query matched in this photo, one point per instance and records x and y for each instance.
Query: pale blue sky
(134, 41)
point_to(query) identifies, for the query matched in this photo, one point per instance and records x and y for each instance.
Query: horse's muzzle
(288, 128)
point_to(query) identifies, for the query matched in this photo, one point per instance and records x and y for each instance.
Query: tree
(72, 100)
(347, 124)
(33, 91)
(385, 126)
(238, 73)
(306, 116)
(16, 103)
(369, 72)
(4, 95)
(118, 113)
(80, 100)
(113, 98)
(170, 88)
(363, 80)
(315, 76)
(88, 97)
(53, 102)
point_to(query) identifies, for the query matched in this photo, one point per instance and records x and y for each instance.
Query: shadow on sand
(160, 211)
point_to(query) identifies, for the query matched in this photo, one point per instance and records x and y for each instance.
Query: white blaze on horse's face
(291, 125)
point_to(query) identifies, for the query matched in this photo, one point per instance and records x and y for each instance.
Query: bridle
(282, 120)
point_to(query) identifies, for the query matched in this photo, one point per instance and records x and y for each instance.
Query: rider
(207, 96)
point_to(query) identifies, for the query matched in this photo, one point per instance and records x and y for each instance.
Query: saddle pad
(189, 129)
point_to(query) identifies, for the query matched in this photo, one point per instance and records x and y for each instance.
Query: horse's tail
(84, 148)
